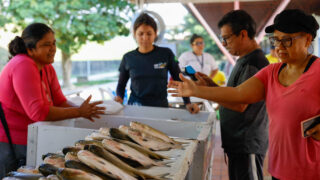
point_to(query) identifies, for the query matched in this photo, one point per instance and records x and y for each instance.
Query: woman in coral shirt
(30, 92)
(291, 90)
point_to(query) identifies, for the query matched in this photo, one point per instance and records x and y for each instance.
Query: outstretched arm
(249, 92)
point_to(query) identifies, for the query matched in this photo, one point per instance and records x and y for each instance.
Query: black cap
(293, 21)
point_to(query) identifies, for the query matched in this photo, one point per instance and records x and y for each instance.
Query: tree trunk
(66, 70)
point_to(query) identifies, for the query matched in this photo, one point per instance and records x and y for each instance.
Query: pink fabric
(23, 95)
(292, 157)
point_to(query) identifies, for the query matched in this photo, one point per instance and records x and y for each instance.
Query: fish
(71, 156)
(96, 136)
(50, 177)
(28, 169)
(72, 149)
(114, 160)
(54, 159)
(102, 165)
(129, 152)
(47, 169)
(81, 143)
(105, 131)
(79, 165)
(151, 154)
(147, 140)
(118, 134)
(25, 176)
(75, 174)
(51, 155)
(154, 132)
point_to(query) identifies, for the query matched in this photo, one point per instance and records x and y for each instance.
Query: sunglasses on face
(286, 42)
(198, 43)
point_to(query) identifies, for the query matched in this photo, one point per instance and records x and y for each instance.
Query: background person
(30, 92)
(292, 93)
(148, 67)
(272, 56)
(200, 61)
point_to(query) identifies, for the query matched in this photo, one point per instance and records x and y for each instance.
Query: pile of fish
(110, 153)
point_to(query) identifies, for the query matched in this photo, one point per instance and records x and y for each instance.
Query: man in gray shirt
(244, 128)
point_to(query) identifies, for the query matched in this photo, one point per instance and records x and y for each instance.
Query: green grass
(89, 83)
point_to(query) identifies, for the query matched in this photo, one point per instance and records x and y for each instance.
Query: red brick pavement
(219, 168)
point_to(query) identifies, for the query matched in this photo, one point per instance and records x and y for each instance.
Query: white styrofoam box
(44, 137)
(167, 113)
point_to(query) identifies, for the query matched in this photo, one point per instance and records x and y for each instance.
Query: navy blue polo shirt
(149, 76)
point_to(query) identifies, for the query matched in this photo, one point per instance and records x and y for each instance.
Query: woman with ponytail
(30, 92)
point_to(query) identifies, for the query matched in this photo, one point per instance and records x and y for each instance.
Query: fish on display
(152, 131)
(70, 153)
(102, 165)
(54, 159)
(105, 131)
(82, 143)
(118, 134)
(101, 152)
(96, 136)
(71, 149)
(71, 156)
(147, 140)
(75, 174)
(79, 165)
(26, 176)
(146, 151)
(28, 169)
(129, 152)
(50, 177)
(47, 169)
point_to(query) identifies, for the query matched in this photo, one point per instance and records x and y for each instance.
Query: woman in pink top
(291, 90)
(30, 92)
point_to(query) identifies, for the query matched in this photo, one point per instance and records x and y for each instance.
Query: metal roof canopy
(209, 12)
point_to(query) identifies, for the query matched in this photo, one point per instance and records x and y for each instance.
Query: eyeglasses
(225, 39)
(198, 43)
(286, 42)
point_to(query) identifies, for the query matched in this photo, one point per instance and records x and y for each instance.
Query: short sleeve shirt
(292, 157)
(204, 63)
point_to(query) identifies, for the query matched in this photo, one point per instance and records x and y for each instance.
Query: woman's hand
(186, 88)
(193, 108)
(314, 132)
(204, 80)
(118, 99)
(91, 110)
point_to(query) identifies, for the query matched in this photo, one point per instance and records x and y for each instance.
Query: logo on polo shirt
(161, 65)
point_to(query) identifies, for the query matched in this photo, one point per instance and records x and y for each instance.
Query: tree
(188, 28)
(74, 21)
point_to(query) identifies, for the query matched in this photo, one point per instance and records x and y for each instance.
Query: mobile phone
(189, 71)
(309, 124)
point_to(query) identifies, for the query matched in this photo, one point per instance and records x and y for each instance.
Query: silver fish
(152, 131)
(101, 152)
(102, 165)
(151, 154)
(129, 152)
(57, 161)
(75, 174)
(147, 140)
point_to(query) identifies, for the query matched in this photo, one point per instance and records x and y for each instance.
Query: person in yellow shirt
(272, 56)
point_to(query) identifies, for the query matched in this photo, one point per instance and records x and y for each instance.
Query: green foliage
(74, 21)
(190, 27)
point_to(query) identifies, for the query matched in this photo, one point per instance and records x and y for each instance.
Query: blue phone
(189, 71)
